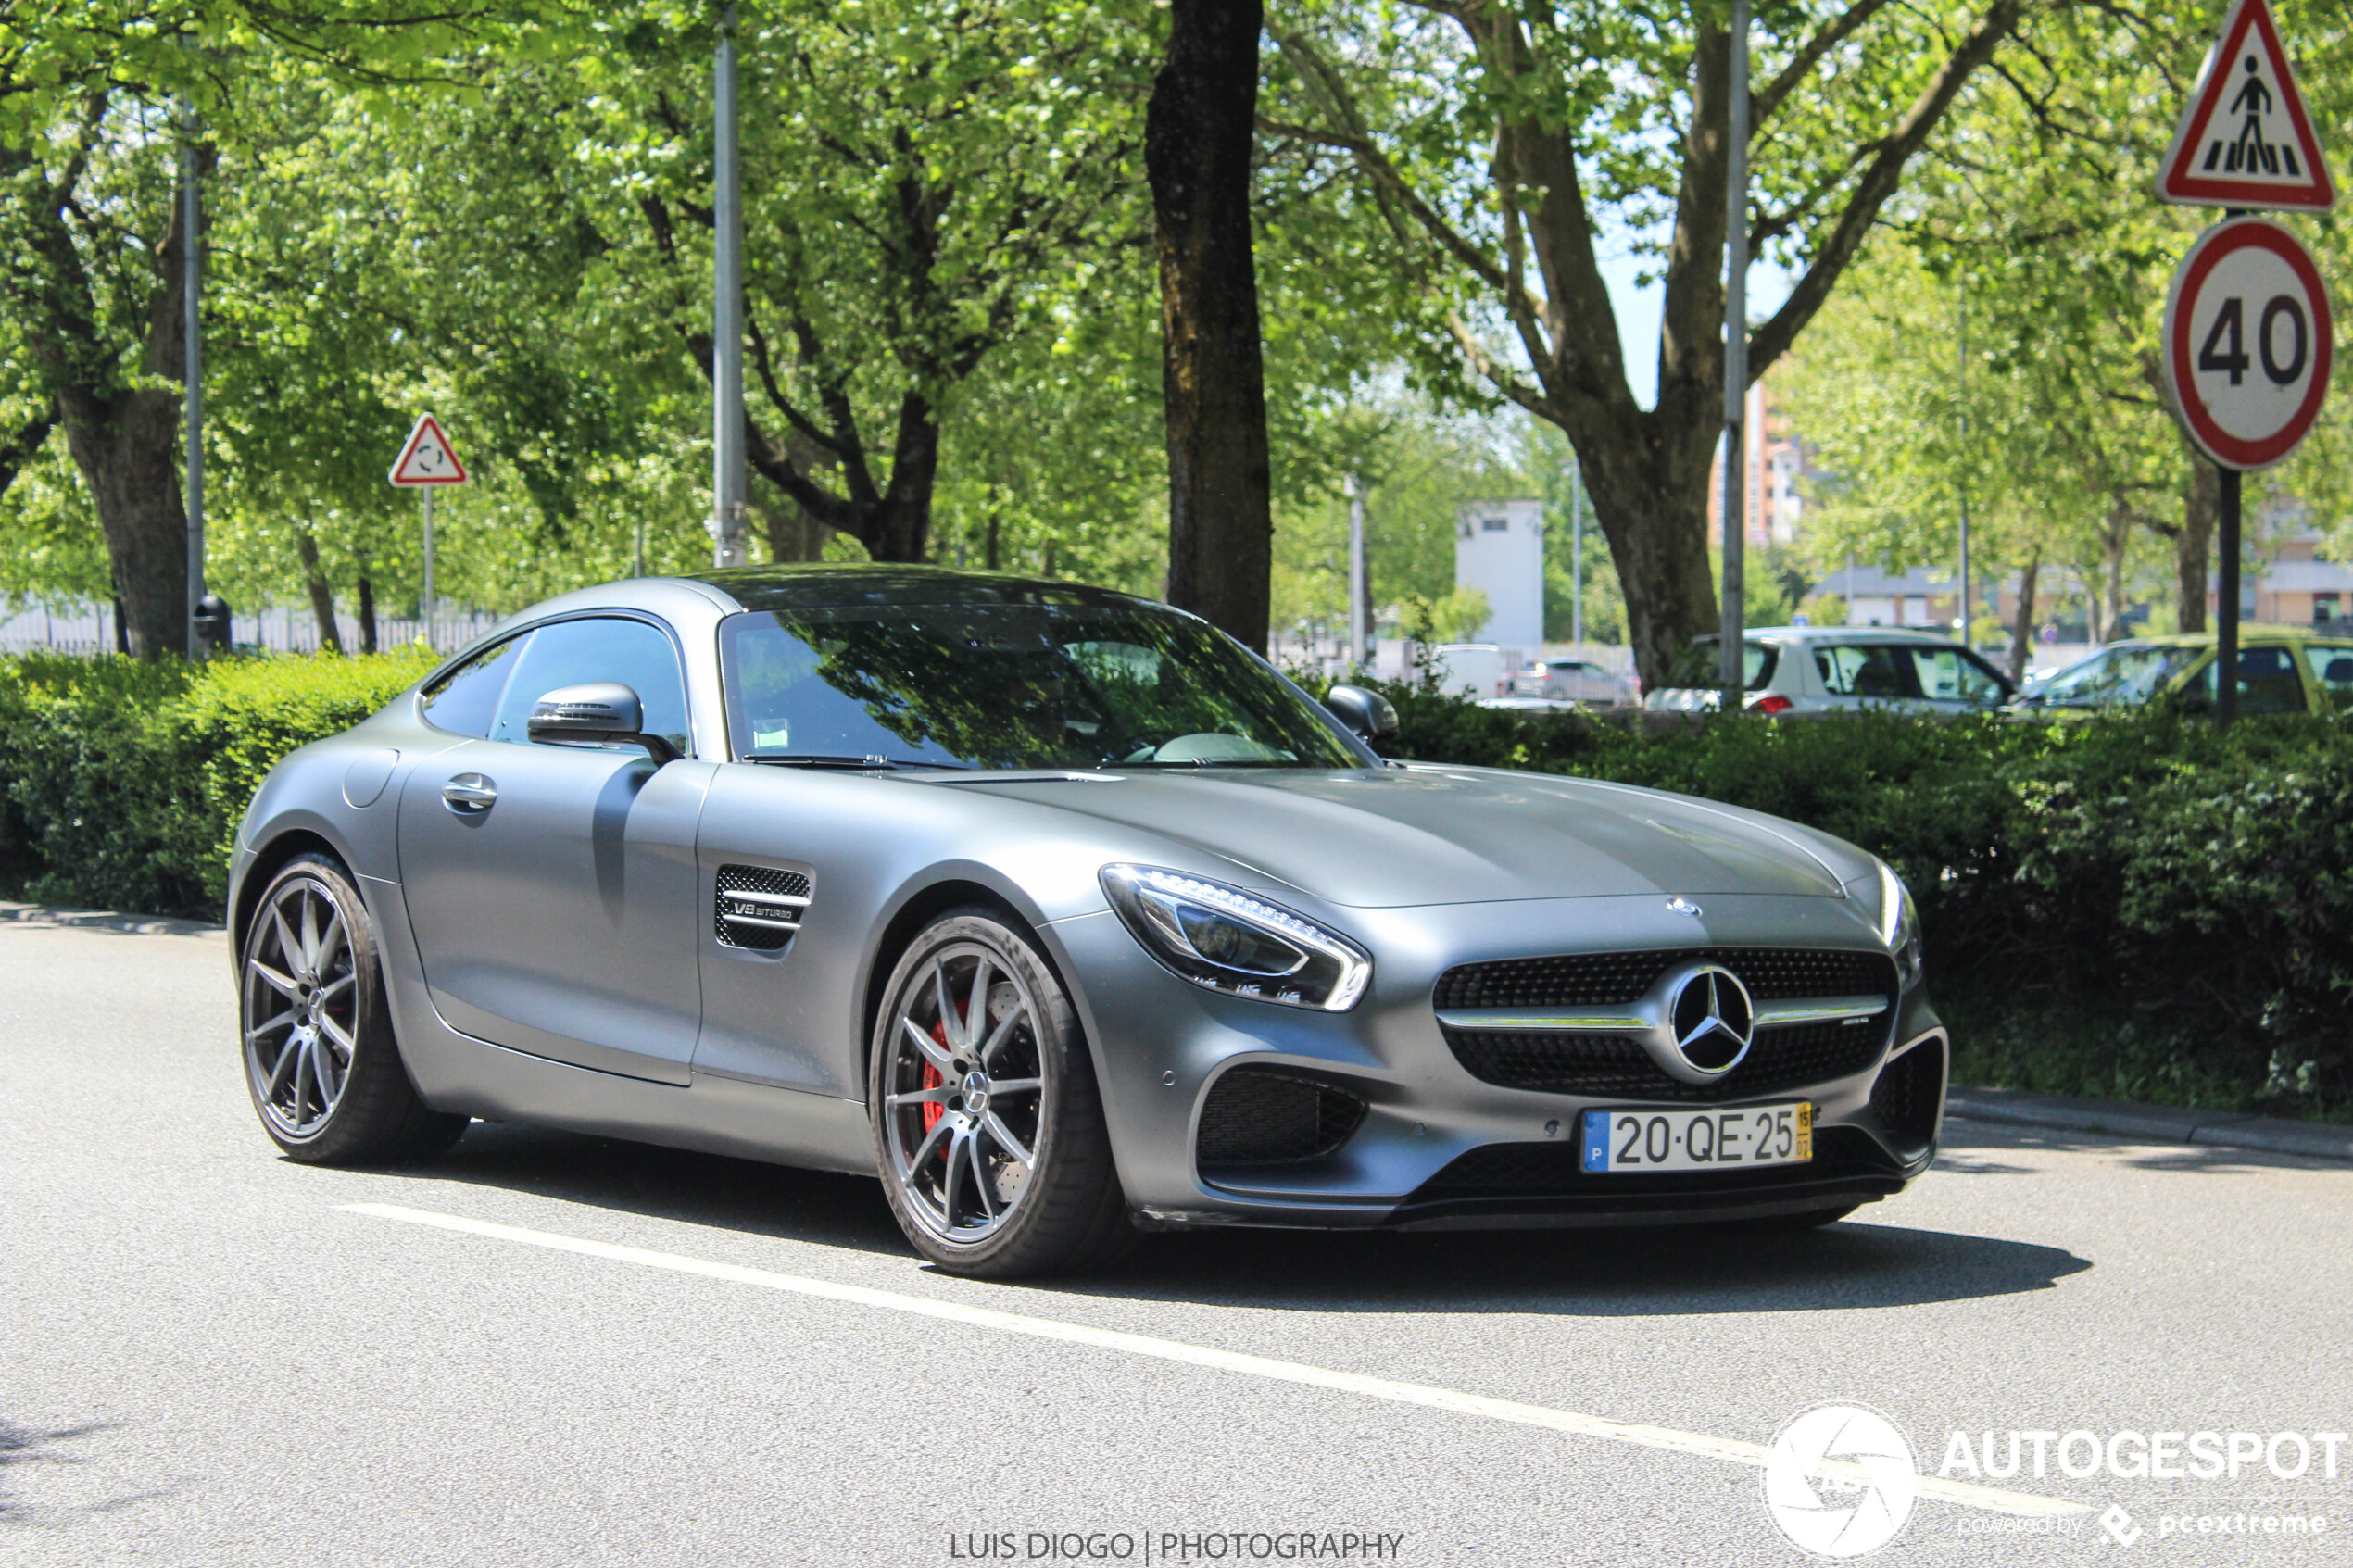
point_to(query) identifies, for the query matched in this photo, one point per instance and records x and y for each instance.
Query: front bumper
(1435, 1145)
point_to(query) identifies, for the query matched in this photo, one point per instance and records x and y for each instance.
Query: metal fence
(87, 630)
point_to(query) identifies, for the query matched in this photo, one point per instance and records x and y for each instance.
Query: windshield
(2125, 674)
(1700, 666)
(1011, 686)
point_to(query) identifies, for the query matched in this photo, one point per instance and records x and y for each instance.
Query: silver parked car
(1065, 916)
(1575, 680)
(1830, 669)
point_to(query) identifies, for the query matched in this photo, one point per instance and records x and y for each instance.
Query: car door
(1866, 675)
(2332, 668)
(552, 888)
(1954, 681)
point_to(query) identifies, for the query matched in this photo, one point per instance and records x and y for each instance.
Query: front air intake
(759, 907)
(1261, 1116)
(1909, 1095)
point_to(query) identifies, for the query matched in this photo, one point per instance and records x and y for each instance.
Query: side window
(2333, 671)
(2268, 682)
(465, 700)
(1950, 675)
(1868, 671)
(600, 648)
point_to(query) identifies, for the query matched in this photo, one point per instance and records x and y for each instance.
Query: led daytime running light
(1328, 971)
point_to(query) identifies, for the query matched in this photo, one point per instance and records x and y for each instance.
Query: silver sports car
(1067, 917)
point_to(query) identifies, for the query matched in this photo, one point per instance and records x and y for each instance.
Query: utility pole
(727, 311)
(1577, 556)
(1735, 672)
(192, 362)
(1356, 606)
(1964, 483)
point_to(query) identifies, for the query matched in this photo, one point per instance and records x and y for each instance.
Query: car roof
(2247, 629)
(1839, 633)
(848, 584)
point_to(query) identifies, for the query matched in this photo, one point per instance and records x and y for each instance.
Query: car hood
(1397, 836)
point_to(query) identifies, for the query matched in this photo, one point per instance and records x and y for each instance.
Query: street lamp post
(1735, 360)
(191, 363)
(727, 311)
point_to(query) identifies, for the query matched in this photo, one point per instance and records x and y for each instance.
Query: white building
(1499, 549)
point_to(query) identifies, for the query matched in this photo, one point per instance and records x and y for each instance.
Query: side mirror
(597, 713)
(1366, 714)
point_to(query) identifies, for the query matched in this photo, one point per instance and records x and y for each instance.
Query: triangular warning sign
(427, 458)
(2246, 141)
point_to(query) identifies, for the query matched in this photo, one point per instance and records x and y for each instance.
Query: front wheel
(321, 1063)
(988, 1129)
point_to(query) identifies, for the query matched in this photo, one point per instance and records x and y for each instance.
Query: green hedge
(2140, 907)
(124, 782)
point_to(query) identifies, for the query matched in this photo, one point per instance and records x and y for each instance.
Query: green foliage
(127, 780)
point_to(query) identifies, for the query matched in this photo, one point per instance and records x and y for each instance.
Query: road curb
(2157, 1123)
(105, 920)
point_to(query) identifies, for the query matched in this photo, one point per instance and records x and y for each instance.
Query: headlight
(1227, 940)
(1899, 924)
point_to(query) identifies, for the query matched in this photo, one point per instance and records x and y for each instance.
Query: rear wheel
(988, 1128)
(321, 1063)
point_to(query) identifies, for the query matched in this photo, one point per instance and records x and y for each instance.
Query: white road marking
(1728, 1449)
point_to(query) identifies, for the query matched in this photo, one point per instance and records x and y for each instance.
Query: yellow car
(2281, 669)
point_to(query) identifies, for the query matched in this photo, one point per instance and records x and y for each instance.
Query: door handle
(469, 794)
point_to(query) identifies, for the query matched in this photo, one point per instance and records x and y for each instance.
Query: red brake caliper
(933, 1109)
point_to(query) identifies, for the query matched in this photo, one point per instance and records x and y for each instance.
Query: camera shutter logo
(1863, 1504)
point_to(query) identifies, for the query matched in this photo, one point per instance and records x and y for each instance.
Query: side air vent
(1909, 1095)
(1259, 1116)
(759, 907)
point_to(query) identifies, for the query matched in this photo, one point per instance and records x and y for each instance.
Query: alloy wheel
(964, 1093)
(301, 1007)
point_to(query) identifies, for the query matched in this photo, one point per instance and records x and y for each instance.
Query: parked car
(2281, 670)
(1064, 914)
(1576, 680)
(1826, 668)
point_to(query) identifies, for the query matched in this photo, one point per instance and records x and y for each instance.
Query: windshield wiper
(809, 759)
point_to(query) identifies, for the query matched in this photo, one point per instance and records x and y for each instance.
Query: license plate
(1618, 1141)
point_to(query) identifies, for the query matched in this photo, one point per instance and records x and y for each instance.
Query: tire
(1026, 1186)
(321, 1065)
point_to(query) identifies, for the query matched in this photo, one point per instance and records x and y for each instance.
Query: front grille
(759, 907)
(1557, 1170)
(1617, 1067)
(1616, 979)
(1259, 1116)
(1910, 1092)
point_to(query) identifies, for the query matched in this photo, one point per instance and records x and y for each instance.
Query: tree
(1198, 140)
(1499, 145)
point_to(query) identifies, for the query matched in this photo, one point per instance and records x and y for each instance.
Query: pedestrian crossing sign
(2245, 139)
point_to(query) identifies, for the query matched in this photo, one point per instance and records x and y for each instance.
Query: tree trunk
(990, 558)
(1198, 138)
(367, 608)
(322, 596)
(2201, 504)
(2119, 535)
(127, 445)
(2022, 633)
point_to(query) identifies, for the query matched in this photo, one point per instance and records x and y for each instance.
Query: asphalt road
(547, 1349)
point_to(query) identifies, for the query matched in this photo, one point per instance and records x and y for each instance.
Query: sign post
(2248, 338)
(427, 462)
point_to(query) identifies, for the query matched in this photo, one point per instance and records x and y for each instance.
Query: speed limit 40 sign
(2247, 342)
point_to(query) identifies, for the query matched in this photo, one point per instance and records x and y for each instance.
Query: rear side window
(1700, 666)
(2333, 671)
(465, 700)
(2268, 682)
(598, 649)
(1951, 676)
(1867, 670)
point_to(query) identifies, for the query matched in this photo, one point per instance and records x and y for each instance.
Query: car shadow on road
(1571, 1272)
